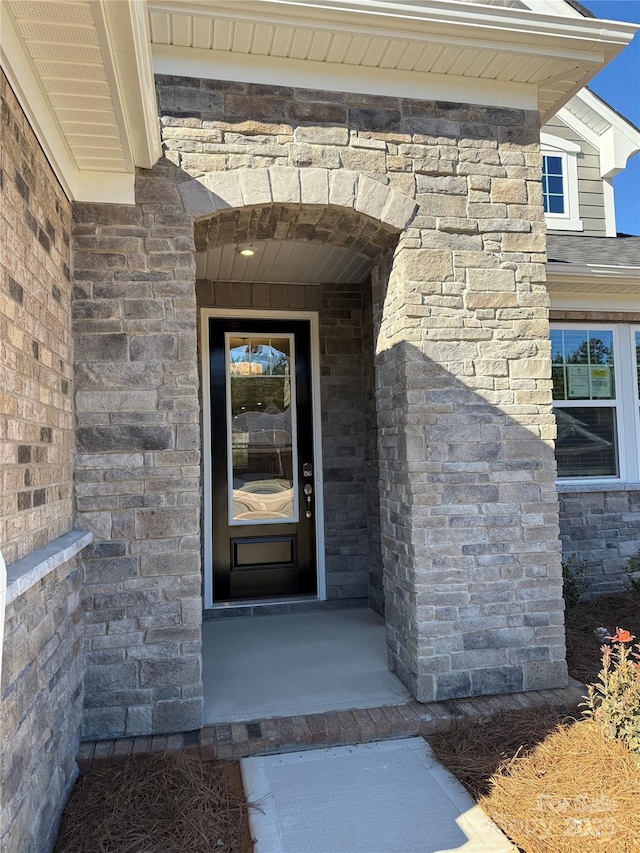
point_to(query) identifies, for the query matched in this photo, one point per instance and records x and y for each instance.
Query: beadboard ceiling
(283, 262)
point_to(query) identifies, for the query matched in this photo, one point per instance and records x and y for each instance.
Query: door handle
(308, 491)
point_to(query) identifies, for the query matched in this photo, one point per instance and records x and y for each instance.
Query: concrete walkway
(384, 797)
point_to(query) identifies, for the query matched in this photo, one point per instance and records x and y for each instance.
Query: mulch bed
(583, 647)
(161, 803)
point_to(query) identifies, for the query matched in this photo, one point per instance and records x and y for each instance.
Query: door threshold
(262, 602)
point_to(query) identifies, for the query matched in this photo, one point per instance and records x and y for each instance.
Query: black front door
(263, 506)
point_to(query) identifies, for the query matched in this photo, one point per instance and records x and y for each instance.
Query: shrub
(574, 582)
(613, 702)
(633, 570)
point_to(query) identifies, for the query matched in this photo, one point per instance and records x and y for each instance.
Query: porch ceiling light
(246, 251)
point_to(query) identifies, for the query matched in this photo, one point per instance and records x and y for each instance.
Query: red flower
(622, 636)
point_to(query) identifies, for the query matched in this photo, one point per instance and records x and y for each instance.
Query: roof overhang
(83, 74)
(505, 56)
(83, 69)
(612, 135)
(593, 278)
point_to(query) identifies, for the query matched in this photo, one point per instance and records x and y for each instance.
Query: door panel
(262, 454)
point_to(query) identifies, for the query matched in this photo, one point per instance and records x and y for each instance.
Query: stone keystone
(285, 184)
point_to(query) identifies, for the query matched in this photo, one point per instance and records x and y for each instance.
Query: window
(596, 400)
(552, 184)
(560, 183)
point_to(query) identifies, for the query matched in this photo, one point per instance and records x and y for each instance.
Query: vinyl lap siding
(590, 190)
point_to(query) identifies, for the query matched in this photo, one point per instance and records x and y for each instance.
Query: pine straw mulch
(583, 647)
(157, 804)
(552, 785)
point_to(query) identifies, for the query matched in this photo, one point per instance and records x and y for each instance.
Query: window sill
(24, 573)
(601, 486)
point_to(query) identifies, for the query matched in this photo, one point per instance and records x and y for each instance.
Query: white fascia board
(275, 71)
(460, 20)
(129, 44)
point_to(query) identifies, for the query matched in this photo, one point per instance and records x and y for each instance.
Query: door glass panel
(261, 428)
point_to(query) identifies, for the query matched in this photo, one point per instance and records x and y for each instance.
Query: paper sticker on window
(601, 382)
(589, 382)
(578, 381)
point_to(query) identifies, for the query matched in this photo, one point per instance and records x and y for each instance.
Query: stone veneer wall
(36, 420)
(343, 414)
(468, 508)
(603, 528)
(138, 462)
(41, 700)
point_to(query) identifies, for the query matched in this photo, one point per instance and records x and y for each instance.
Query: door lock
(308, 491)
(307, 470)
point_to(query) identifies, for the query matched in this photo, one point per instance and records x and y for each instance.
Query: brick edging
(335, 728)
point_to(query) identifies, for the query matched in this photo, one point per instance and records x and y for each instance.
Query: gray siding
(590, 188)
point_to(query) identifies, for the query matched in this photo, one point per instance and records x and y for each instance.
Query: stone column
(138, 461)
(469, 511)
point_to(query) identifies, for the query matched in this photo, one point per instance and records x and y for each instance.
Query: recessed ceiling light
(247, 252)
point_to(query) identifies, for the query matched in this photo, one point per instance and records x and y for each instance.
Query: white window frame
(626, 402)
(554, 146)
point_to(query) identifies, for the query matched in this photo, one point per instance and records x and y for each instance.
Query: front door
(263, 507)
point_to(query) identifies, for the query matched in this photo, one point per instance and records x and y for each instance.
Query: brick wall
(602, 528)
(41, 700)
(36, 416)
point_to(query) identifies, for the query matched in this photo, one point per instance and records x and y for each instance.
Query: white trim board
(324, 76)
(251, 314)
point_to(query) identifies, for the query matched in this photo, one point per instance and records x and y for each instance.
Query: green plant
(633, 570)
(574, 582)
(613, 702)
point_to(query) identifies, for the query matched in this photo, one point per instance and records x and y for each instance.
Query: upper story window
(596, 400)
(552, 184)
(560, 183)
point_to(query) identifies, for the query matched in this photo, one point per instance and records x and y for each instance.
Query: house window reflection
(261, 384)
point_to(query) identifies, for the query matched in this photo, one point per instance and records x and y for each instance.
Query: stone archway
(378, 211)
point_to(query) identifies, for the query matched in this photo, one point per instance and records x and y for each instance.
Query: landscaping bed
(583, 646)
(165, 803)
(556, 784)
(552, 785)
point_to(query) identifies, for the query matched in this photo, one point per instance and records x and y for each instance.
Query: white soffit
(594, 279)
(500, 52)
(82, 71)
(283, 262)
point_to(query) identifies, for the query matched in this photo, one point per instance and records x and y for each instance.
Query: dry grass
(155, 804)
(575, 791)
(583, 647)
(553, 785)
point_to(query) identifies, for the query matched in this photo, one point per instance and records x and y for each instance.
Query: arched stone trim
(330, 225)
(217, 191)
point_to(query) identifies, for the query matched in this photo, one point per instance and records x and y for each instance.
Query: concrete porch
(293, 664)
